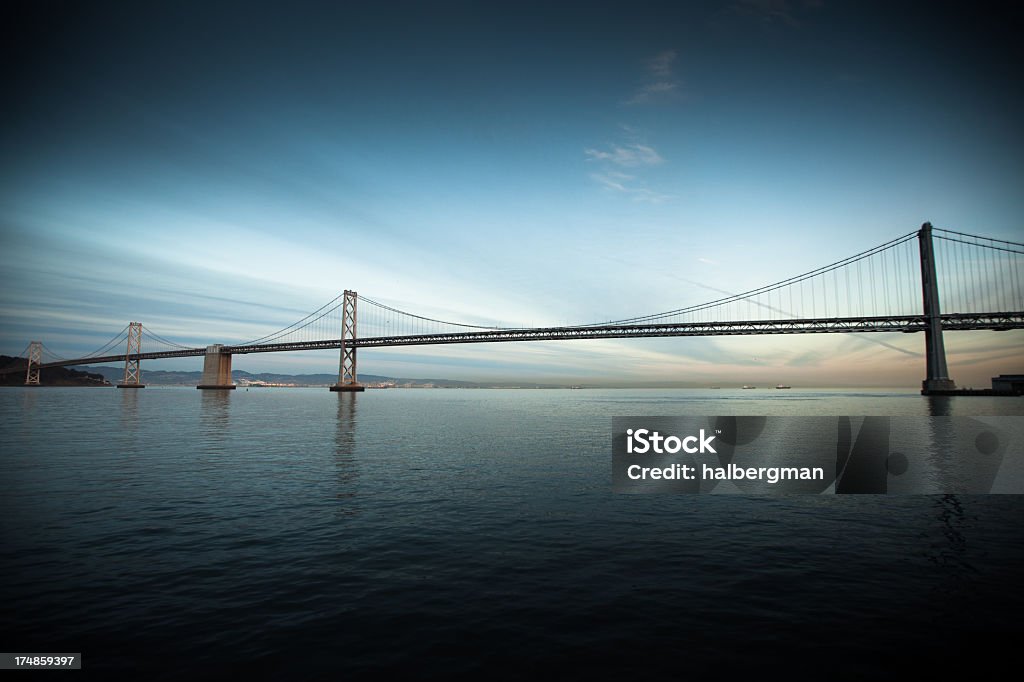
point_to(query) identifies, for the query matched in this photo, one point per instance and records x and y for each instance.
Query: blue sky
(218, 170)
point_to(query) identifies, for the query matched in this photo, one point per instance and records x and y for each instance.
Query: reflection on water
(345, 436)
(128, 434)
(213, 417)
(940, 405)
(28, 397)
(129, 416)
(947, 546)
(344, 449)
(28, 412)
(941, 456)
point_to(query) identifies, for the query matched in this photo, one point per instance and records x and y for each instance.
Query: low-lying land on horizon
(112, 375)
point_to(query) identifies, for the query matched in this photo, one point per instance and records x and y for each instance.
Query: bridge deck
(837, 325)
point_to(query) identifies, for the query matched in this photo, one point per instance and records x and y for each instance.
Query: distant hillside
(14, 375)
(158, 377)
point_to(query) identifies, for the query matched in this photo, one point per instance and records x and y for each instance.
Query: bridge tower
(347, 379)
(937, 379)
(132, 372)
(35, 356)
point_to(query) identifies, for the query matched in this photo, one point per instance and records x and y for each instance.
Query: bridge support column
(216, 369)
(35, 356)
(937, 378)
(132, 372)
(347, 378)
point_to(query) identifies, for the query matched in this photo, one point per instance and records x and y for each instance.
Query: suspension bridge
(894, 287)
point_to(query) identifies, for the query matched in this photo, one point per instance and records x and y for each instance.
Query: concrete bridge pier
(216, 369)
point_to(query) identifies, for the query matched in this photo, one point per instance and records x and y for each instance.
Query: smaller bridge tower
(347, 378)
(35, 356)
(132, 372)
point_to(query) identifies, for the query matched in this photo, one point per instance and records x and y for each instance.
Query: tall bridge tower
(937, 376)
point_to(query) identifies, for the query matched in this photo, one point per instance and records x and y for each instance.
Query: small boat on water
(745, 386)
(783, 386)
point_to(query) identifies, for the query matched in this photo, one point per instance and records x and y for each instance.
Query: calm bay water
(174, 533)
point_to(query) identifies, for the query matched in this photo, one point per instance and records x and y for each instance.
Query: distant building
(1008, 383)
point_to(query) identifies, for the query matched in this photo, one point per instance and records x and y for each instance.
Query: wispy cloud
(620, 182)
(809, 358)
(661, 65)
(773, 13)
(612, 180)
(660, 81)
(635, 156)
(629, 155)
(767, 11)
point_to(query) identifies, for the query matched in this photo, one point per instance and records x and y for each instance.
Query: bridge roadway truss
(838, 325)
